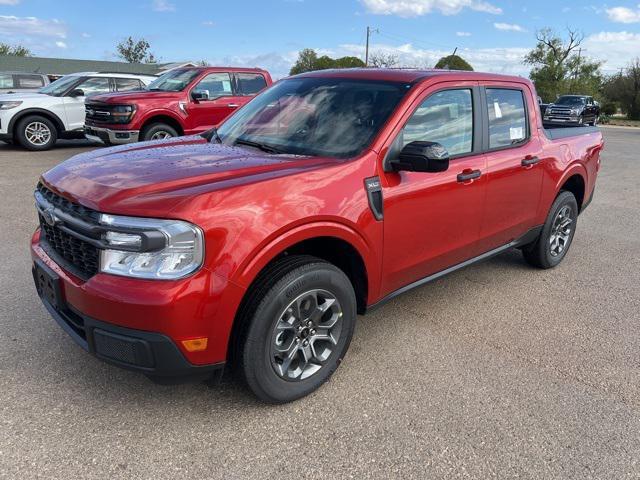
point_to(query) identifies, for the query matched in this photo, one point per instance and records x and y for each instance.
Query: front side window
(94, 86)
(6, 81)
(507, 117)
(126, 84)
(445, 117)
(250, 83)
(215, 84)
(29, 81)
(334, 117)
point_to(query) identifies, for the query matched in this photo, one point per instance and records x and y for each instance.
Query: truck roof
(411, 75)
(223, 69)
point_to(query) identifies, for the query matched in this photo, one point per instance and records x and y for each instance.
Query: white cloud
(463, 34)
(85, 35)
(616, 48)
(509, 27)
(163, 6)
(624, 14)
(208, 23)
(20, 27)
(61, 44)
(9, 2)
(414, 8)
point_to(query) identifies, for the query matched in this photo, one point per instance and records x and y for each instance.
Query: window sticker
(496, 109)
(226, 86)
(516, 133)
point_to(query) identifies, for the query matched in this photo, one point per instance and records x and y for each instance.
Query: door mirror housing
(200, 95)
(76, 92)
(422, 157)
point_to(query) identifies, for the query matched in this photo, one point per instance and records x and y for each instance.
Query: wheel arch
(162, 117)
(575, 183)
(57, 121)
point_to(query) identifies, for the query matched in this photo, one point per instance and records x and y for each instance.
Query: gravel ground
(496, 371)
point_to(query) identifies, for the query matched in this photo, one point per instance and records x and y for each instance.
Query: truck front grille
(70, 250)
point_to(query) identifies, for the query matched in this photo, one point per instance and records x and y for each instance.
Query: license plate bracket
(47, 284)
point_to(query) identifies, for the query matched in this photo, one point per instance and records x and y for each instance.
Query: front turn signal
(195, 344)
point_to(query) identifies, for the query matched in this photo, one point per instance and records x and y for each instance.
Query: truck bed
(564, 132)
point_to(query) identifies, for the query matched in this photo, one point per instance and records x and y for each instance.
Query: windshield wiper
(261, 146)
(211, 134)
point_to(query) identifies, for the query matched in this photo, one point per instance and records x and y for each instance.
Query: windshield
(60, 86)
(570, 101)
(336, 117)
(174, 80)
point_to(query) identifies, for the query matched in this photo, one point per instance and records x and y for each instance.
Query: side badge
(374, 194)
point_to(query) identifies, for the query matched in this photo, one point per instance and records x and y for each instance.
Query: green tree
(309, 61)
(17, 50)
(624, 89)
(453, 62)
(559, 68)
(135, 51)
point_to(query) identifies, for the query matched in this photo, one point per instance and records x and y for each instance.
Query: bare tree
(383, 60)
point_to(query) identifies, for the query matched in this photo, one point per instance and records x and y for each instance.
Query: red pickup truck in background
(256, 245)
(183, 101)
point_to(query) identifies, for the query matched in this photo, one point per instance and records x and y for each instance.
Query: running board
(527, 238)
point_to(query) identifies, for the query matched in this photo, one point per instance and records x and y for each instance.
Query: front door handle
(469, 175)
(232, 105)
(528, 161)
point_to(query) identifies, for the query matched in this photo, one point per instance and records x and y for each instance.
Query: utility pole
(366, 50)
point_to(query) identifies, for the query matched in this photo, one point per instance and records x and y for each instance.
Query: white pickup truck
(36, 120)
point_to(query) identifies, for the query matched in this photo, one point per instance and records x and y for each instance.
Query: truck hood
(152, 178)
(134, 96)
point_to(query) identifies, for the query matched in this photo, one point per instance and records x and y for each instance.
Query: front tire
(299, 322)
(557, 233)
(36, 133)
(158, 131)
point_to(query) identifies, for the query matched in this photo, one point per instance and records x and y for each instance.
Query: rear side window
(250, 83)
(445, 117)
(507, 117)
(125, 84)
(29, 81)
(6, 81)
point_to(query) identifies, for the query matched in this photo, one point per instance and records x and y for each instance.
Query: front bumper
(109, 136)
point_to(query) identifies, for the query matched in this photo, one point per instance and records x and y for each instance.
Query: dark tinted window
(29, 81)
(250, 83)
(124, 84)
(6, 81)
(445, 117)
(507, 117)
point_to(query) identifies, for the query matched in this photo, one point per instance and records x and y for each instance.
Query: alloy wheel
(306, 335)
(561, 231)
(37, 133)
(161, 135)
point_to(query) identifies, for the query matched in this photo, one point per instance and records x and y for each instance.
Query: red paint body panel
(196, 116)
(253, 206)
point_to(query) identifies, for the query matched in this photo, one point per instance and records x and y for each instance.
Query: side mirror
(422, 157)
(200, 95)
(76, 92)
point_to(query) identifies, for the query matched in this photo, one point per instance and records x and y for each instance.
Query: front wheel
(36, 133)
(300, 330)
(158, 131)
(557, 233)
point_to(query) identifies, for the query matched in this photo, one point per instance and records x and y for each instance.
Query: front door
(432, 220)
(74, 106)
(220, 102)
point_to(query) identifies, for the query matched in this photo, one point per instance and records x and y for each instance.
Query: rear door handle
(232, 105)
(528, 161)
(470, 175)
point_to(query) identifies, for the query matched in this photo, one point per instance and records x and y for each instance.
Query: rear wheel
(298, 330)
(557, 233)
(158, 131)
(36, 133)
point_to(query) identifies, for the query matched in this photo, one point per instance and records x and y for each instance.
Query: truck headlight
(9, 105)
(575, 111)
(150, 248)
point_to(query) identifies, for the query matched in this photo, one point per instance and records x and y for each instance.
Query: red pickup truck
(255, 245)
(183, 101)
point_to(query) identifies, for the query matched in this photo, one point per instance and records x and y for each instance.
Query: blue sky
(492, 34)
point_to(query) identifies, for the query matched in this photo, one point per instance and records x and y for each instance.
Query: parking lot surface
(496, 371)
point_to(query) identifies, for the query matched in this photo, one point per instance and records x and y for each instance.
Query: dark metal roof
(64, 66)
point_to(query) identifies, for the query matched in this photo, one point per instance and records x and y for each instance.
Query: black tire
(281, 286)
(26, 136)
(542, 253)
(156, 131)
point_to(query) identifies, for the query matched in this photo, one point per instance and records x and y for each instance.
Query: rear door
(432, 220)
(514, 162)
(222, 101)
